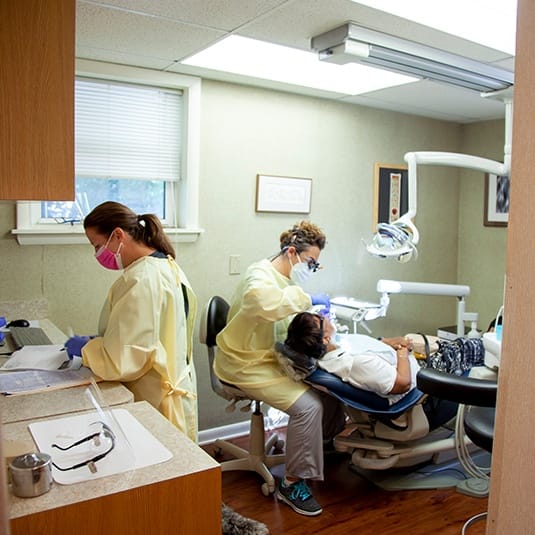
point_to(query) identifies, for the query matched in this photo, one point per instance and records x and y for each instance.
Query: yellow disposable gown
(145, 339)
(261, 310)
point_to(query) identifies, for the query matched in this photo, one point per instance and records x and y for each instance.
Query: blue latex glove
(321, 299)
(74, 345)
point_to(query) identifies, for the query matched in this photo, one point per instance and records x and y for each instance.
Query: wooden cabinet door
(37, 99)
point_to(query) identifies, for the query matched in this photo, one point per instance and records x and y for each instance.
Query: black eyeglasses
(313, 265)
(320, 317)
(67, 220)
(105, 433)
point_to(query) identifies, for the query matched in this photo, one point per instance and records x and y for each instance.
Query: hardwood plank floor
(352, 505)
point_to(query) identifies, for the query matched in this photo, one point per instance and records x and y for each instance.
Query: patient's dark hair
(145, 228)
(305, 335)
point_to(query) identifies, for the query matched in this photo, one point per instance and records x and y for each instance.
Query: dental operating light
(397, 239)
(353, 43)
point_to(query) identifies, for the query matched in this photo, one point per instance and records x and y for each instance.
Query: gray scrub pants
(314, 417)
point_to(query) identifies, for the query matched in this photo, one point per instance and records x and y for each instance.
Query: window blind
(126, 131)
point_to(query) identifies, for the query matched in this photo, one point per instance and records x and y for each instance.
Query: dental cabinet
(37, 101)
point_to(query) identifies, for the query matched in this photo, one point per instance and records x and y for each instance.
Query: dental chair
(380, 436)
(257, 458)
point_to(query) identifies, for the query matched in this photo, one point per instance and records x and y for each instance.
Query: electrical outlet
(234, 264)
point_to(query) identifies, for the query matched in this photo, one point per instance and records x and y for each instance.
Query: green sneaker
(299, 498)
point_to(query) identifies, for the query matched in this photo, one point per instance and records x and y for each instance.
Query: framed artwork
(391, 193)
(283, 194)
(496, 201)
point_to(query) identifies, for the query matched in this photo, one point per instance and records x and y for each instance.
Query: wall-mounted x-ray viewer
(390, 192)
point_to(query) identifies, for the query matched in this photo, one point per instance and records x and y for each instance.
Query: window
(137, 142)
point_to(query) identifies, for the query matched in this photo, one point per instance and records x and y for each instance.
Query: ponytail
(145, 228)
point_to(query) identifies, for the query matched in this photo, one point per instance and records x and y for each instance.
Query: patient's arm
(401, 341)
(403, 375)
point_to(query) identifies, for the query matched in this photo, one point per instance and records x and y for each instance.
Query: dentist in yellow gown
(146, 324)
(261, 309)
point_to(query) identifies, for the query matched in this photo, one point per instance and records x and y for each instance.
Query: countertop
(187, 459)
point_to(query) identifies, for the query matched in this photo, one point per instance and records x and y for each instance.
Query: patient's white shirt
(367, 363)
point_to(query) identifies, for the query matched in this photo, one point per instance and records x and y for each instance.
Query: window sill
(75, 235)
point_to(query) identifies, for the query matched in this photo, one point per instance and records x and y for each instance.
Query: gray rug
(235, 524)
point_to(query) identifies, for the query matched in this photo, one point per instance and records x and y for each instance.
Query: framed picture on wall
(496, 201)
(283, 194)
(391, 192)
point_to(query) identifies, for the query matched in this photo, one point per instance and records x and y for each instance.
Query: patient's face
(329, 331)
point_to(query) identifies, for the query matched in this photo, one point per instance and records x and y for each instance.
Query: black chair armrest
(460, 389)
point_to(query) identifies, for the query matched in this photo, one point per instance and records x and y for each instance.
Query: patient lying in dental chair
(375, 379)
(385, 367)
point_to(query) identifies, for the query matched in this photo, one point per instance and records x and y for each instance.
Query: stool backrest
(213, 320)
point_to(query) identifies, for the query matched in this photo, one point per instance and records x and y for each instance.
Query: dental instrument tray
(358, 310)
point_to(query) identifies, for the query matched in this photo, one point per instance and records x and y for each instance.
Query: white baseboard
(226, 432)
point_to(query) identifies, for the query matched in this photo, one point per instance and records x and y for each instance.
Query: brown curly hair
(302, 235)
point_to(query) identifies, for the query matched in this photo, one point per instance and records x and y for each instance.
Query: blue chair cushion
(363, 400)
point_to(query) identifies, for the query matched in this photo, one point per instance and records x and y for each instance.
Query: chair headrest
(301, 362)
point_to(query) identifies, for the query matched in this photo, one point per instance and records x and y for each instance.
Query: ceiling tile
(138, 35)
(434, 100)
(217, 14)
(110, 56)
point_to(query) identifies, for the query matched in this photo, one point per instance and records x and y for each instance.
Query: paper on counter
(47, 357)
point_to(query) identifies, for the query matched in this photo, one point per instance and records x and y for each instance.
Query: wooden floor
(352, 505)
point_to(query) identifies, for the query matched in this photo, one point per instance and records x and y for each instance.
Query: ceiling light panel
(258, 59)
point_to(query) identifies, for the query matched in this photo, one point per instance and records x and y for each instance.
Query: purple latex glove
(74, 345)
(322, 299)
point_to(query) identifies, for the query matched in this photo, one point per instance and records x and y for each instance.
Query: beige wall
(481, 260)
(246, 131)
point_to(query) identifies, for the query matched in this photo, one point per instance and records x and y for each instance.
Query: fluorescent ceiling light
(490, 23)
(351, 42)
(249, 57)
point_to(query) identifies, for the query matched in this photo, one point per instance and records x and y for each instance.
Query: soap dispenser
(472, 318)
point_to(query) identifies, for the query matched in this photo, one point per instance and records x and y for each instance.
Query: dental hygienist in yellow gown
(146, 324)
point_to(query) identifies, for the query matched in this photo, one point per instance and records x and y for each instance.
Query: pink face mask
(107, 258)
